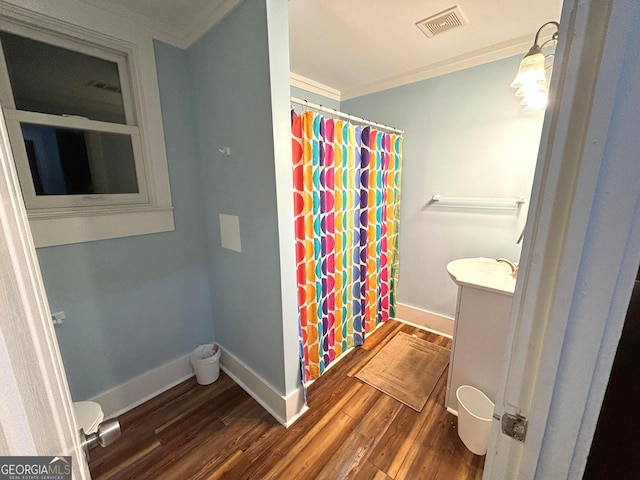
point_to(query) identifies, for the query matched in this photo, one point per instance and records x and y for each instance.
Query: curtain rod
(335, 112)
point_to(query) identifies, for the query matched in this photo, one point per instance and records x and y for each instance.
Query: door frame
(36, 416)
(581, 249)
(571, 271)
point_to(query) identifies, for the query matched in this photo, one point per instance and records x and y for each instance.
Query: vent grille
(442, 22)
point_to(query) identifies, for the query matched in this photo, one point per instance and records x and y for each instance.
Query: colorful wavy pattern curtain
(346, 203)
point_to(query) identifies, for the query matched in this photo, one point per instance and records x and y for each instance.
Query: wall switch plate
(58, 318)
(230, 232)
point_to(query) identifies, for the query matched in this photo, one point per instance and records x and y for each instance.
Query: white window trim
(67, 224)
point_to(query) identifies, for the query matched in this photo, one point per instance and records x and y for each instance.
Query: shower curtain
(346, 204)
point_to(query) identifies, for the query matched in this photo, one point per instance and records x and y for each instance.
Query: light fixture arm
(538, 48)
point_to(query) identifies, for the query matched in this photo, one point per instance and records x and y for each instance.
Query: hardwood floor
(351, 431)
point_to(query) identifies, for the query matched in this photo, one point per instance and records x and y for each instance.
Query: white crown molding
(314, 87)
(167, 33)
(43, 16)
(471, 59)
(178, 37)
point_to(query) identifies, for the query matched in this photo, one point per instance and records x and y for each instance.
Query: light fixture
(531, 80)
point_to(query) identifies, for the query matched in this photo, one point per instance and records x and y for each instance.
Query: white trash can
(475, 413)
(205, 361)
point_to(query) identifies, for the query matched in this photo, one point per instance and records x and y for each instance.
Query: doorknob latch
(107, 432)
(514, 426)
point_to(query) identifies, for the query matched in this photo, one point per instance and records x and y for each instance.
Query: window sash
(36, 202)
(59, 40)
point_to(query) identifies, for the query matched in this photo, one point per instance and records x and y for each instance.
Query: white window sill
(62, 228)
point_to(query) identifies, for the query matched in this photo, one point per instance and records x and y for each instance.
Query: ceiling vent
(442, 22)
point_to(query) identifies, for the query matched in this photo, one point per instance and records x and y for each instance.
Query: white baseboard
(285, 409)
(128, 395)
(138, 390)
(421, 318)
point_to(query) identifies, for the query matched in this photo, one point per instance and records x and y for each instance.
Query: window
(72, 123)
(82, 107)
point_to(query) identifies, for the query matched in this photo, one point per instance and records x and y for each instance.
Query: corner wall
(465, 135)
(231, 71)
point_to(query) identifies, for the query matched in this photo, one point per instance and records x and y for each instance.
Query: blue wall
(133, 304)
(465, 135)
(231, 85)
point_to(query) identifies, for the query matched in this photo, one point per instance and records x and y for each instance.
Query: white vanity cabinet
(480, 329)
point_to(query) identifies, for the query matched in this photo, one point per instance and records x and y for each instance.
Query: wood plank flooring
(351, 431)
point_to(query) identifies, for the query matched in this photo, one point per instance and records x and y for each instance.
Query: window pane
(58, 81)
(65, 161)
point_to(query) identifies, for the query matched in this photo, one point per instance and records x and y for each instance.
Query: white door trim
(35, 404)
(581, 247)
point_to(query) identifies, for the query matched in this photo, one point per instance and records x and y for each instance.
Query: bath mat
(407, 369)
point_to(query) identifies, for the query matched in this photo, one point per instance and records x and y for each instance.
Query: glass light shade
(531, 88)
(531, 82)
(535, 101)
(531, 71)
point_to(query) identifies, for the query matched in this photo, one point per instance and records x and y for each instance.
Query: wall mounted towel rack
(479, 202)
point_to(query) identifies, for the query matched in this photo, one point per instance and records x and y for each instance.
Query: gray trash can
(475, 413)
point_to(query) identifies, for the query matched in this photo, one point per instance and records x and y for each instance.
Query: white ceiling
(361, 46)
